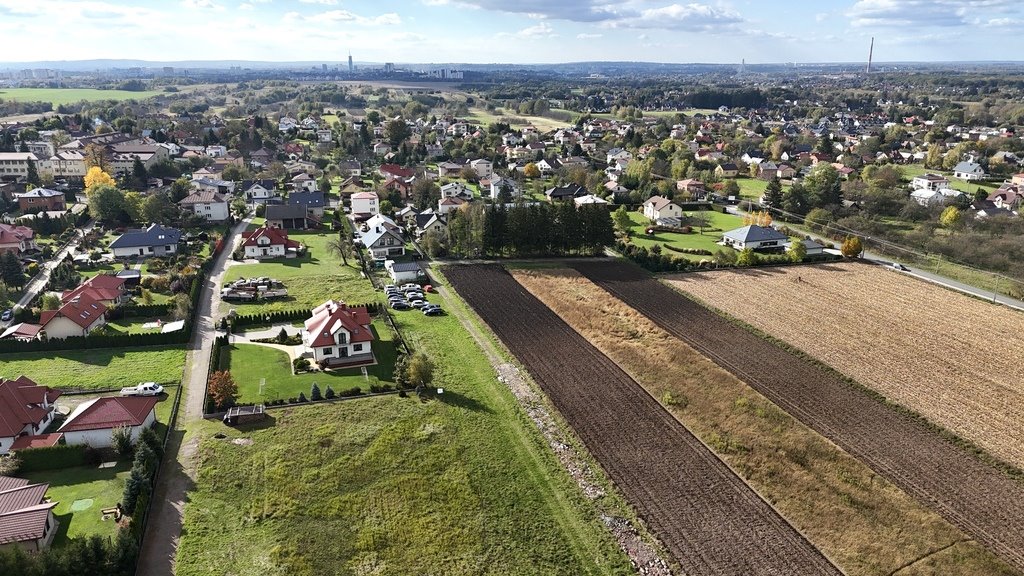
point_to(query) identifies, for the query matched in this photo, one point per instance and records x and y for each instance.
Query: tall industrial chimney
(871, 53)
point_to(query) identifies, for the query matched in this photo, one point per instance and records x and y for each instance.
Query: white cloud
(246, 6)
(201, 5)
(388, 19)
(926, 13)
(585, 36)
(324, 2)
(541, 30)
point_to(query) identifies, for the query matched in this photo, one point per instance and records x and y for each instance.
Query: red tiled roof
(331, 317)
(14, 234)
(99, 287)
(110, 412)
(277, 237)
(25, 524)
(82, 310)
(397, 171)
(39, 441)
(21, 404)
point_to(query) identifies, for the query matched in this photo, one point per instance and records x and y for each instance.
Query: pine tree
(773, 194)
(11, 271)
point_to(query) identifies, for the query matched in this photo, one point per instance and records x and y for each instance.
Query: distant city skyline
(511, 31)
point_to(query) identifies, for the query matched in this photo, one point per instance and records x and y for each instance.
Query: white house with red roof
(658, 207)
(93, 422)
(339, 335)
(26, 409)
(17, 239)
(365, 205)
(104, 288)
(76, 317)
(26, 516)
(266, 242)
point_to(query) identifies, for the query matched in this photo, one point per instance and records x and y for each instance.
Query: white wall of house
(365, 206)
(213, 212)
(63, 327)
(267, 251)
(144, 251)
(102, 438)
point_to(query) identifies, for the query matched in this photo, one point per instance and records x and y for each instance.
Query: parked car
(400, 305)
(409, 286)
(900, 267)
(393, 297)
(7, 315)
(144, 389)
(417, 303)
(432, 310)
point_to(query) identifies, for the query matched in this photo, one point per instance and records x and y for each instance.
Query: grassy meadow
(96, 369)
(59, 96)
(706, 241)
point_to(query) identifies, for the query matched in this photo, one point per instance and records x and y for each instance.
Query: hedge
(138, 311)
(696, 251)
(99, 341)
(52, 457)
(289, 315)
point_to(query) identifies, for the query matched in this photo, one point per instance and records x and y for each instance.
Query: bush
(314, 393)
(9, 464)
(121, 441)
(301, 364)
(56, 457)
(302, 397)
(329, 393)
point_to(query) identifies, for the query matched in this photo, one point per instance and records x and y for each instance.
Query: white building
(94, 421)
(206, 204)
(336, 334)
(365, 203)
(16, 163)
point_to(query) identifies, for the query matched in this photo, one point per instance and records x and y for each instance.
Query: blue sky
(517, 31)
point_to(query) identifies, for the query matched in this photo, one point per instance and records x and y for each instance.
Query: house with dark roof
(382, 241)
(336, 335)
(565, 192)
(259, 191)
(402, 272)
(94, 421)
(758, 238)
(76, 317)
(267, 242)
(26, 515)
(155, 240)
(288, 217)
(104, 288)
(26, 409)
(727, 170)
(314, 202)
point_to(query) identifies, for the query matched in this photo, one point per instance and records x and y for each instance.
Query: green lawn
(95, 369)
(135, 325)
(248, 363)
(751, 188)
(70, 95)
(463, 484)
(97, 269)
(311, 280)
(103, 486)
(706, 241)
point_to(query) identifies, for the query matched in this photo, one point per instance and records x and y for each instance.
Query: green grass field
(69, 95)
(539, 122)
(248, 363)
(461, 484)
(96, 369)
(706, 241)
(752, 188)
(311, 280)
(81, 493)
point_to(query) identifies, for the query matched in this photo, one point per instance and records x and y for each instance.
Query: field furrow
(706, 516)
(981, 500)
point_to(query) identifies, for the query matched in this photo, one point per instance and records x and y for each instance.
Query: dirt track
(981, 500)
(706, 516)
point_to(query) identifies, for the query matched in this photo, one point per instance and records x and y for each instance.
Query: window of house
(357, 348)
(328, 351)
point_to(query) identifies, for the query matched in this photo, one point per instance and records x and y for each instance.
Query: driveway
(178, 472)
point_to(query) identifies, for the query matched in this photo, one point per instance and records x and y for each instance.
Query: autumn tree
(222, 389)
(420, 371)
(852, 247)
(531, 171)
(95, 176)
(950, 217)
(621, 219)
(106, 203)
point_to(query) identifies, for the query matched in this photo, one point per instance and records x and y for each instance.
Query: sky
(511, 31)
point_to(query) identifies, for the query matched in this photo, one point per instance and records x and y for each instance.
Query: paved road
(921, 273)
(39, 282)
(177, 477)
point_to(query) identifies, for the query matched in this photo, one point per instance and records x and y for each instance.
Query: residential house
(383, 241)
(155, 240)
(76, 317)
(969, 170)
(262, 157)
(616, 154)
(937, 197)
(94, 421)
(402, 272)
(759, 238)
(393, 171)
(289, 217)
(498, 184)
(259, 191)
(401, 185)
(17, 239)
(588, 199)
(431, 222)
(314, 202)
(26, 515)
(448, 169)
(23, 332)
(26, 409)
(106, 289)
(41, 199)
(304, 182)
(785, 172)
(456, 190)
(547, 167)
(1008, 196)
(659, 207)
(337, 335)
(266, 242)
(929, 182)
(407, 216)
(811, 247)
(364, 205)
(727, 170)
(483, 168)
(446, 205)
(1017, 179)
(691, 188)
(210, 206)
(15, 164)
(566, 192)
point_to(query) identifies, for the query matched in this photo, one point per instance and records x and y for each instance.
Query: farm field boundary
(983, 501)
(706, 516)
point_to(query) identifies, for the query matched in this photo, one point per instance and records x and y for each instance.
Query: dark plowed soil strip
(708, 518)
(981, 500)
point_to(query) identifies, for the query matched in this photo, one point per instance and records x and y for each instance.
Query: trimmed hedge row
(53, 457)
(289, 315)
(696, 251)
(139, 311)
(660, 262)
(98, 341)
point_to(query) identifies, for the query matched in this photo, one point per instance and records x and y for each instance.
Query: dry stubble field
(952, 358)
(858, 519)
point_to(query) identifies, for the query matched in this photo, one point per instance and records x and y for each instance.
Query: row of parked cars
(409, 296)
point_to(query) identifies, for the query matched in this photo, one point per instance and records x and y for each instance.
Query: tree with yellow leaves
(97, 177)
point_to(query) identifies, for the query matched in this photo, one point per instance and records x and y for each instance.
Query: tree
(33, 174)
(181, 306)
(852, 247)
(773, 194)
(824, 185)
(340, 247)
(950, 217)
(314, 393)
(139, 174)
(133, 202)
(222, 389)
(121, 441)
(731, 189)
(11, 270)
(420, 371)
(95, 176)
(825, 144)
(49, 301)
(797, 251)
(818, 219)
(622, 221)
(397, 131)
(747, 257)
(106, 203)
(180, 188)
(239, 207)
(531, 171)
(158, 209)
(324, 184)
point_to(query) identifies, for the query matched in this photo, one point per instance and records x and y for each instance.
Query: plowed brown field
(984, 502)
(954, 359)
(705, 515)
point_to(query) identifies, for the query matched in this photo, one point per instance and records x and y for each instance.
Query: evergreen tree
(33, 174)
(11, 271)
(773, 194)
